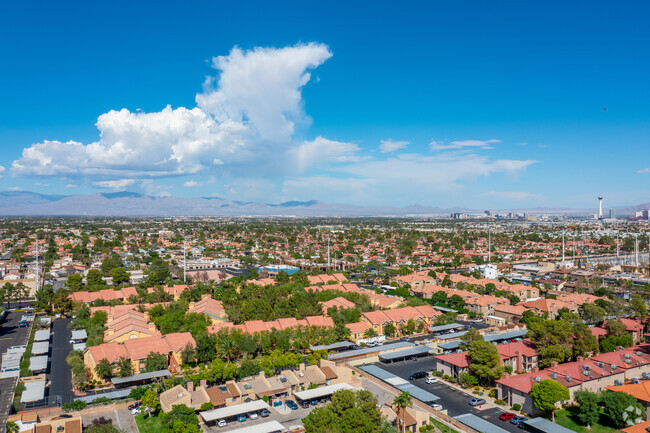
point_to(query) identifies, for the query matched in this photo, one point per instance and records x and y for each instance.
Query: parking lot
(282, 414)
(456, 402)
(10, 335)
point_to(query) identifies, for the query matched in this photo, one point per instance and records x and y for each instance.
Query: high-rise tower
(600, 208)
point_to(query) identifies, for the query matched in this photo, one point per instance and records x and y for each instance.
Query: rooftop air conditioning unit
(628, 361)
(553, 375)
(568, 378)
(538, 379)
(639, 353)
(586, 373)
(627, 356)
(600, 364)
(614, 366)
(618, 382)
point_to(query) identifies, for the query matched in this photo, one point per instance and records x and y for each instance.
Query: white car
(222, 423)
(136, 411)
(432, 379)
(252, 415)
(436, 406)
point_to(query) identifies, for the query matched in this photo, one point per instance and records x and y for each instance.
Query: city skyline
(496, 106)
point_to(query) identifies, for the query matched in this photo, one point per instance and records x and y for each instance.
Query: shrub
(499, 401)
(492, 393)
(101, 400)
(207, 406)
(75, 405)
(516, 406)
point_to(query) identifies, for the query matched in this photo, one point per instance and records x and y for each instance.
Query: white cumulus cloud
(321, 150)
(388, 146)
(644, 170)
(483, 144)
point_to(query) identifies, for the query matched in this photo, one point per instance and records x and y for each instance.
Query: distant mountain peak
(296, 203)
(121, 194)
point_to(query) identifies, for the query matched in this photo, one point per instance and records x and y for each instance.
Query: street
(453, 400)
(60, 375)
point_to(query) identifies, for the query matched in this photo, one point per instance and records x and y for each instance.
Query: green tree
(120, 276)
(609, 344)
(584, 342)
(390, 329)
(12, 427)
(369, 333)
(623, 409)
(401, 402)
(124, 367)
(588, 410)
(615, 328)
(592, 314)
(468, 337)
(155, 362)
(282, 277)
(74, 282)
(150, 401)
(104, 369)
(181, 413)
(94, 279)
(347, 412)
(466, 379)
(547, 394)
(484, 361)
(639, 309)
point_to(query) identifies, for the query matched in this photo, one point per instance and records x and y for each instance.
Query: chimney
(553, 364)
(534, 370)
(579, 358)
(505, 375)
(520, 361)
(203, 383)
(190, 386)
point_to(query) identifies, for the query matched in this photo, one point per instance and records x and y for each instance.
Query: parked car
(432, 379)
(242, 417)
(518, 420)
(222, 423)
(136, 411)
(477, 401)
(292, 405)
(436, 406)
(135, 405)
(305, 404)
(405, 339)
(252, 415)
(264, 413)
(418, 375)
(314, 402)
(507, 416)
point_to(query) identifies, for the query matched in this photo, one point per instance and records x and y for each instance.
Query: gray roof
(399, 383)
(414, 351)
(445, 327)
(368, 350)
(334, 346)
(40, 347)
(42, 335)
(379, 373)
(141, 376)
(79, 346)
(547, 426)
(450, 336)
(506, 335)
(449, 346)
(265, 427)
(419, 393)
(479, 424)
(228, 411)
(323, 391)
(120, 393)
(38, 363)
(34, 391)
(448, 310)
(79, 334)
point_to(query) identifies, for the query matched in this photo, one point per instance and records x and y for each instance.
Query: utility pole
(184, 260)
(489, 247)
(328, 252)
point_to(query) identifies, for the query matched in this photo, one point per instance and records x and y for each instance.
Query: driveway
(60, 375)
(121, 419)
(456, 402)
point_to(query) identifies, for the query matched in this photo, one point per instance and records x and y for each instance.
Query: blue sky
(478, 104)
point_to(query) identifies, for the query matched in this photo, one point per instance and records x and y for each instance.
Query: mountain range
(132, 204)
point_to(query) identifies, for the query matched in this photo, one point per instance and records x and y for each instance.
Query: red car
(135, 405)
(507, 416)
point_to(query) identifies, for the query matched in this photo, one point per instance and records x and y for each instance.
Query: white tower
(600, 208)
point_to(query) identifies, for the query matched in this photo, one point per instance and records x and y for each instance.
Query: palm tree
(104, 369)
(227, 348)
(401, 402)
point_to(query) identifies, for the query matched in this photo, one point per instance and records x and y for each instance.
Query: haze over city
(473, 104)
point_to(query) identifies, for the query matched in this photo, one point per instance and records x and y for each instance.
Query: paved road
(60, 375)
(10, 335)
(453, 400)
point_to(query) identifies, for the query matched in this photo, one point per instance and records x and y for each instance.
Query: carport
(140, 379)
(42, 335)
(38, 364)
(265, 427)
(41, 348)
(323, 391)
(541, 425)
(479, 424)
(401, 355)
(233, 411)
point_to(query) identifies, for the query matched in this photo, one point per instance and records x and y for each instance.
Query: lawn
(151, 424)
(441, 426)
(565, 418)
